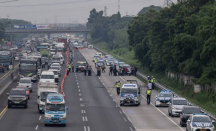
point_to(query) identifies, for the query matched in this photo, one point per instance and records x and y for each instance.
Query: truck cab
(43, 90)
(130, 93)
(55, 109)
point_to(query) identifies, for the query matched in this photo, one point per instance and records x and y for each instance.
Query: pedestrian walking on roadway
(115, 71)
(118, 86)
(150, 85)
(89, 70)
(86, 70)
(148, 93)
(72, 66)
(98, 70)
(153, 81)
(110, 70)
(103, 69)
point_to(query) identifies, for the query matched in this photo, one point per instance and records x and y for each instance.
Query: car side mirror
(8, 94)
(66, 107)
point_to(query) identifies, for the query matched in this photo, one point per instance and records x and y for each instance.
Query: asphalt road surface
(91, 108)
(144, 117)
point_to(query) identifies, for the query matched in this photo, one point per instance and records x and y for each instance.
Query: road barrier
(162, 87)
(8, 79)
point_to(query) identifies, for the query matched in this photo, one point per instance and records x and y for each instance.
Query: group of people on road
(122, 70)
(87, 70)
(151, 82)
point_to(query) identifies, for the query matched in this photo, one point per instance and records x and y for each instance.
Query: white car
(26, 81)
(56, 73)
(199, 122)
(47, 77)
(176, 105)
(55, 65)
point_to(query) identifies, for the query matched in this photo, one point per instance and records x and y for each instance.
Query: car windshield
(129, 90)
(55, 107)
(81, 64)
(55, 72)
(17, 92)
(179, 102)
(25, 88)
(57, 59)
(191, 110)
(201, 119)
(43, 95)
(165, 95)
(27, 66)
(47, 77)
(52, 50)
(54, 67)
(24, 81)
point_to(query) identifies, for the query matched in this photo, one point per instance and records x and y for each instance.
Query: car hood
(46, 80)
(178, 106)
(24, 84)
(17, 96)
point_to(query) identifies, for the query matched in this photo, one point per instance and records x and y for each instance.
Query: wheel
(40, 111)
(45, 124)
(63, 125)
(25, 106)
(9, 106)
(121, 104)
(172, 115)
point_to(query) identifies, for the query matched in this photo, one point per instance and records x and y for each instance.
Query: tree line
(180, 38)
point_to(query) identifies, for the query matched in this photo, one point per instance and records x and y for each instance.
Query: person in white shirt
(150, 85)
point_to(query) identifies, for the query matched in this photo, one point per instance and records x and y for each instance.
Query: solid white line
(102, 83)
(129, 119)
(40, 118)
(36, 127)
(120, 112)
(131, 129)
(116, 105)
(166, 115)
(84, 128)
(125, 119)
(86, 118)
(122, 78)
(79, 90)
(88, 128)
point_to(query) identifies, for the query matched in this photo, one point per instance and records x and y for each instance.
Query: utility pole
(105, 11)
(119, 5)
(168, 2)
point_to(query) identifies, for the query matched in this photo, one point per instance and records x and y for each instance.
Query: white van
(47, 76)
(61, 57)
(56, 73)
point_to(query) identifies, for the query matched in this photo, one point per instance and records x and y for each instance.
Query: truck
(55, 110)
(45, 53)
(43, 90)
(64, 40)
(6, 59)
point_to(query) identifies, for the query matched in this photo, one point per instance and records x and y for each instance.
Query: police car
(199, 122)
(163, 98)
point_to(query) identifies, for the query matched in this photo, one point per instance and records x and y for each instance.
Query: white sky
(68, 11)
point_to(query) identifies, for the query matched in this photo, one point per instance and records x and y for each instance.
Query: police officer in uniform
(153, 81)
(148, 92)
(118, 86)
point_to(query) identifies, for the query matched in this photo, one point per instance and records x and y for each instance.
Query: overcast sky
(68, 11)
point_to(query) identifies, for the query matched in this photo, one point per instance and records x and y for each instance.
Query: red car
(26, 89)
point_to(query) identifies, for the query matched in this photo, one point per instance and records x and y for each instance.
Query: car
(100, 63)
(56, 73)
(187, 111)
(17, 96)
(26, 89)
(26, 81)
(55, 65)
(47, 77)
(80, 66)
(163, 98)
(110, 62)
(96, 57)
(56, 68)
(199, 122)
(176, 105)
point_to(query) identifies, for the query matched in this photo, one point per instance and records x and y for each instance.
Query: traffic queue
(130, 93)
(42, 67)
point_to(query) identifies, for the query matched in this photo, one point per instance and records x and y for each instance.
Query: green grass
(204, 100)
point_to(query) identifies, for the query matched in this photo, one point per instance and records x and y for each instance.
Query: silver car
(26, 81)
(176, 105)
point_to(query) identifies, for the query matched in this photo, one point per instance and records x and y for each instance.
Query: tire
(45, 124)
(121, 104)
(64, 125)
(26, 106)
(40, 111)
(9, 106)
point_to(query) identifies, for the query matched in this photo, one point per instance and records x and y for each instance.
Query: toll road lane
(102, 113)
(2, 75)
(145, 117)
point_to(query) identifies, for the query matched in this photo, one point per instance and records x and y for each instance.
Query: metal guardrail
(213, 117)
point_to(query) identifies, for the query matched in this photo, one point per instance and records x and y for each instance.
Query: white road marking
(128, 119)
(88, 128)
(122, 78)
(79, 90)
(40, 118)
(80, 99)
(83, 118)
(123, 112)
(84, 111)
(125, 119)
(86, 118)
(165, 115)
(131, 129)
(79, 94)
(85, 128)
(116, 105)
(120, 112)
(77, 83)
(81, 104)
(36, 127)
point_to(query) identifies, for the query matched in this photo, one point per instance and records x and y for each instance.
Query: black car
(18, 97)
(187, 111)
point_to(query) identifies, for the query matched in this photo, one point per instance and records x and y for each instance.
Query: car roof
(175, 98)
(52, 70)
(47, 73)
(191, 107)
(129, 86)
(25, 78)
(81, 62)
(17, 89)
(21, 86)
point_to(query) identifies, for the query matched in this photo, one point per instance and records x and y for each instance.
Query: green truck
(45, 53)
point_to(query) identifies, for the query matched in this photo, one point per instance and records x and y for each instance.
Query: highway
(2, 75)
(144, 117)
(91, 108)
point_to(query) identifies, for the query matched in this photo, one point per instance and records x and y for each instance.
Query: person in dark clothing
(115, 71)
(103, 69)
(110, 70)
(68, 70)
(135, 70)
(98, 70)
(89, 70)
(132, 70)
(85, 70)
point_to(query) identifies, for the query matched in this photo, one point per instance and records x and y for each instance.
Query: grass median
(203, 99)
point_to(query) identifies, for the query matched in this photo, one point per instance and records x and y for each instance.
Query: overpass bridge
(53, 28)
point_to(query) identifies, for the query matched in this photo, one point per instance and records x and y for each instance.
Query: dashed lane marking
(36, 127)
(131, 129)
(40, 118)
(120, 112)
(125, 119)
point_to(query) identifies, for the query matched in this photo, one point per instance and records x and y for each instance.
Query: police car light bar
(200, 114)
(165, 91)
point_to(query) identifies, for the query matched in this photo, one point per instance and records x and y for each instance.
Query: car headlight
(63, 118)
(48, 118)
(122, 98)
(24, 98)
(9, 98)
(34, 76)
(173, 107)
(135, 98)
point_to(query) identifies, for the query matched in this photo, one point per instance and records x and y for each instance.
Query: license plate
(17, 102)
(127, 99)
(55, 121)
(164, 104)
(203, 130)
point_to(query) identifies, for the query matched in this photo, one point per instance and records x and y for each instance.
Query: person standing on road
(95, 61)
(98, 70)
(153, 81)
(89, 70)
(103, 69)
(72, 66)
(115, 71)
(148, 93)
(118, 86)
(150, 85)
(110, 70)
(69, 67)
(135, 70)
